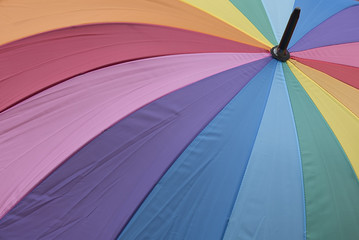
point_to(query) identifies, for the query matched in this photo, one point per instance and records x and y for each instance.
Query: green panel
(330, 185)
(255, 12)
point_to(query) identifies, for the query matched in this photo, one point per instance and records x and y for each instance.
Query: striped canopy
(169, 119)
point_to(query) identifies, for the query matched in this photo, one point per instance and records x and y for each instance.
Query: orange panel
(346, 94)
(22, 18)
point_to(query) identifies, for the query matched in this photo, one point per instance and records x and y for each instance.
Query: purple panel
(340, 28)
(95, 192)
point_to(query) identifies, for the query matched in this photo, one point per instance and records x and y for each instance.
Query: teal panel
(256, 13)
(330, 184)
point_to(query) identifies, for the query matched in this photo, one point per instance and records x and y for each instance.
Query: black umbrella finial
(280, 51)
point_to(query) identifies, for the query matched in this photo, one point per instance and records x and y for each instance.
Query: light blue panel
(278, 16)
(315, 12)
(270, 203)
(194, 199)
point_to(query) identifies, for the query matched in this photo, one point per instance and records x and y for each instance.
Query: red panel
(32, 64)
(344, 73)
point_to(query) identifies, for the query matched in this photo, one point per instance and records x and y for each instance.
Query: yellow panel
(346, 94)
(341, 120)
(22, 18)
(228, 13)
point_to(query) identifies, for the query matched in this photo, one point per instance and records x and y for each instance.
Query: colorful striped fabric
(169, 119)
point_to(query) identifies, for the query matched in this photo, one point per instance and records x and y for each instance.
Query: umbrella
(190, 119)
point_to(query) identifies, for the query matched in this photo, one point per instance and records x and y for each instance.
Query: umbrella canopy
(169, 119)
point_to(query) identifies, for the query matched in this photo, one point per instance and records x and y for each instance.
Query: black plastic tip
(280, 52)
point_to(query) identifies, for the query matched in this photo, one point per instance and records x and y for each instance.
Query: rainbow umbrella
(191, 119)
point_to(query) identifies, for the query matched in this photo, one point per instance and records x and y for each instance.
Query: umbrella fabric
(170, 120)
(109, 101)
(106, 44)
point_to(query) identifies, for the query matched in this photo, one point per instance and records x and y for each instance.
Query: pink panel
(345, 54)
(344, 73)
(41, 132)
(35, 63)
